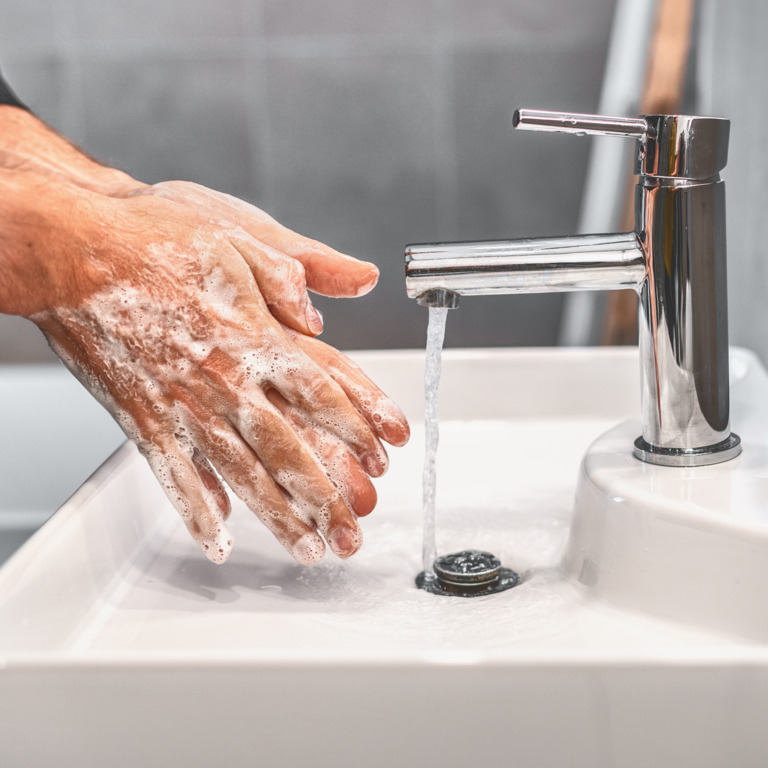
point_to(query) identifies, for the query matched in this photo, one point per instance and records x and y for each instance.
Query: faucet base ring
(726, 450)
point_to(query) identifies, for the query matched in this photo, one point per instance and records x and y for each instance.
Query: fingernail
(372, 464)
(370, 282)
(308, 550)
(374, 271)
(314, 320)
(345, 541)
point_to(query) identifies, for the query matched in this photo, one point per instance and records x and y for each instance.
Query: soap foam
(137, 350)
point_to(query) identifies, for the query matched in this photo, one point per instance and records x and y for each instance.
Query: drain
(469, 573)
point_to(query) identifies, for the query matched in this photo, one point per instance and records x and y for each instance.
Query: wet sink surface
(264, 606)
(110, 614)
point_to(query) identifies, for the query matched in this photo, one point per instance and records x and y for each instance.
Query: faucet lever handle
(671, 146)
(595, 125)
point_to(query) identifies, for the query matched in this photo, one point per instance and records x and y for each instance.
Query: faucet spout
(533, 265)
(674, 259)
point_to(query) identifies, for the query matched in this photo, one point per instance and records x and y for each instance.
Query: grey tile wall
(42, 83)
(737, 61)
(171, 118)
(362, 123)
(511, 183)
(533, 21)
(159, 23)
(362, 18)
(28, 25)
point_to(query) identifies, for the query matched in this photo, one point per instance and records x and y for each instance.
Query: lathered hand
(283, 263)
(159, 310)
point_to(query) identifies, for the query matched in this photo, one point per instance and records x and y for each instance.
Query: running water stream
(470, 572)
(435, 337)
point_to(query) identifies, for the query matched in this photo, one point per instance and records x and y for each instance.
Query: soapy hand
(170, 304)
(283, 262)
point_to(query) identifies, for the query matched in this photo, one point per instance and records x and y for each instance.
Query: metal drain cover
(469, 573)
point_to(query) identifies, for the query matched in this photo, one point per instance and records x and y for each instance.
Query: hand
(159, 312)
(288, 259)
(284, 264)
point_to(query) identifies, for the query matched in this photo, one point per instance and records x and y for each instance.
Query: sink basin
(121, 645)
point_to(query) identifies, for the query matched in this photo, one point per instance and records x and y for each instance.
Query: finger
(187, 479)
(287, 458)
(282, 282)
(328, 272)
(291, 464)
(313, 391)
(381, 413)
(249, 480)
(200, 508)
(342, 469)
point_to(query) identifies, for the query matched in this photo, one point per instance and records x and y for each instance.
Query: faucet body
(675, 259)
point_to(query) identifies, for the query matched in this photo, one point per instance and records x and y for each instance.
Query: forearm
(26, 143)
(47, 190)
(44, 244)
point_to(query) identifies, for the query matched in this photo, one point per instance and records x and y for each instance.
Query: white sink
(120, 645)
(687, 544)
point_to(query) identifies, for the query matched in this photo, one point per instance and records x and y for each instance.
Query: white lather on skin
(197, 378)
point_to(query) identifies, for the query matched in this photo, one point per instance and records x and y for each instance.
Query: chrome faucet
(675, 259)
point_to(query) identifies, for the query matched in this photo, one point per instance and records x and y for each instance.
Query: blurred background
(366, 124)
(369, 124)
